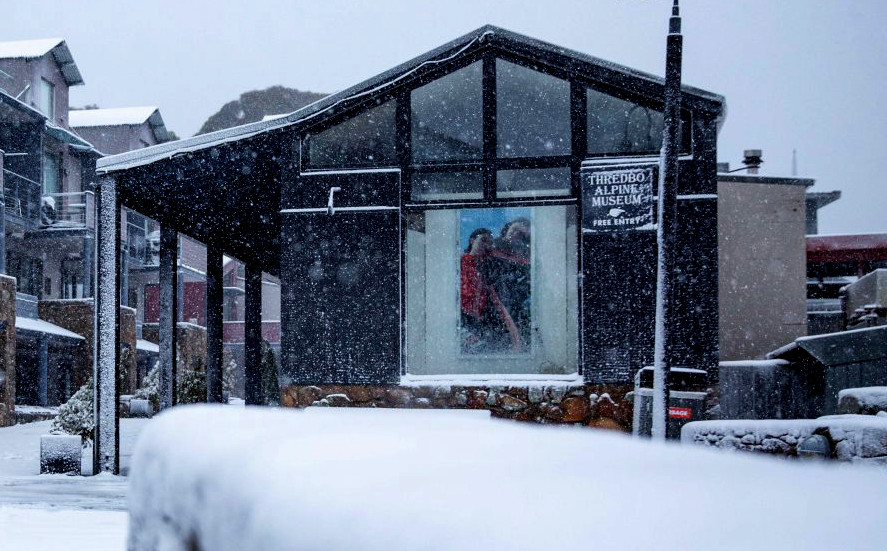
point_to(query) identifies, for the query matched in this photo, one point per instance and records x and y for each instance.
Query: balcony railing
(73, 210)
(22, 197)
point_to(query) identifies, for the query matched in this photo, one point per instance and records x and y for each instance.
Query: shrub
(76, 416)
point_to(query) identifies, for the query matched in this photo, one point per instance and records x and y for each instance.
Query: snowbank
(866, 400)
(855, 438)
(380, 479)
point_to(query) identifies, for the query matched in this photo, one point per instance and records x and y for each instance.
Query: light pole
(666, 232)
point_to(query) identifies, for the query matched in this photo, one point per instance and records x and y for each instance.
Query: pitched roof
(310, 114)
(120, 116)
(80, 118)
(32, 49)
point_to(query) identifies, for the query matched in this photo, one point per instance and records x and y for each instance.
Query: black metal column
(213, 324)
(2, 218)
(87, 265)
(667, 230)
(252, 348)
(106, 436)
(169, 305)
(42, 370)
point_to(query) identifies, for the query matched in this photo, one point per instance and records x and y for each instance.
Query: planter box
(60, 454)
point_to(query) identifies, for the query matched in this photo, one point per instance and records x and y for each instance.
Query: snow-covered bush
(150, 389)
(229, 373)
(76, 416)
(191, 387)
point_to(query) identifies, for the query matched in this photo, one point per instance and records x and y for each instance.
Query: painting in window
(494, 288)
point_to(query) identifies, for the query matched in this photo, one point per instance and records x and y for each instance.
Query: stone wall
(77, 316)
(190, 343)
(590, 405)
(7, 350)
(851, 438)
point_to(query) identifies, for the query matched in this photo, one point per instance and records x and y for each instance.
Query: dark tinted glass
(428, 186)
(532, 112)
(619, 126)
(447, 117)
(367, 139)
(533, 182)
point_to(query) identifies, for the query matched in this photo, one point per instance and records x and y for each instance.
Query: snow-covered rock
(215, 477)
(60, 453)
(866, 400)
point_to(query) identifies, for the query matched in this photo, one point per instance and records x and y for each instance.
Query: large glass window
(492, 291)
(367, 139)
(447, 117)
(430, 186)
(532, 112)
(618, 126)
(533, 182)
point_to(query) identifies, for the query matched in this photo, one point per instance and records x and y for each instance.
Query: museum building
(473, 228)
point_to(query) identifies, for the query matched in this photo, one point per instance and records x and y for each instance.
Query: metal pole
(667, 230)
(252, 342)
(106, 456)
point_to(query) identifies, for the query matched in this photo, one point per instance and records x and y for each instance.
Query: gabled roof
(120, 116)
(592, 67)
(32, 49)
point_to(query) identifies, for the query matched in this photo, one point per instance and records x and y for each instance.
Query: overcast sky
(797, 74)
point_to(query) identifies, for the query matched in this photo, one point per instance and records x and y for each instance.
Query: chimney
(752, 159)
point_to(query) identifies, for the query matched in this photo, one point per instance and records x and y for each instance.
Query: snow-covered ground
(59, 511)
(380, 479)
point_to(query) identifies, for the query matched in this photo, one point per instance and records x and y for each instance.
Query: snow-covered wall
(853, 438)
(224, 478)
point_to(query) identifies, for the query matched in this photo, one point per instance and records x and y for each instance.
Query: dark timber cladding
(363, 204)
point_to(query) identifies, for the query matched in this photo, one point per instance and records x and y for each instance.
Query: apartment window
(72, 278)
(51, 174)
(46, 97)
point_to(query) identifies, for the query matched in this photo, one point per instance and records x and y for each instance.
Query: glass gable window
(618, 126)
(532, 112)
(492, 291)
(447, 117)
(367, 139)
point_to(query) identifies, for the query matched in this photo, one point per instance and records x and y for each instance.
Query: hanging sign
(617, 198)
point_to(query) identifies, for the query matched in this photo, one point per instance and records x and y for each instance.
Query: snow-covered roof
(42, 326)
(120, 116)
(589, 66)
(31, 49)
(110, 117)
(273, 117)
(147, 346)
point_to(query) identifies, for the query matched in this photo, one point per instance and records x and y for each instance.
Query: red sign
(680, 413)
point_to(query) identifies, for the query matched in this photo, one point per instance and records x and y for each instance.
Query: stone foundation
(77, 316)
(7, 351)
(590, 405)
